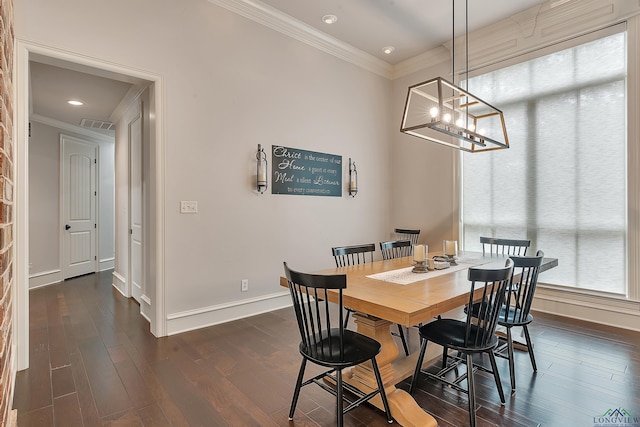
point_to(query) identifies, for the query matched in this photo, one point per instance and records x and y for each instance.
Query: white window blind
(562, 183)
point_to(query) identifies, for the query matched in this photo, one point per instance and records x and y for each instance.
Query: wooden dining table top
(413, 303)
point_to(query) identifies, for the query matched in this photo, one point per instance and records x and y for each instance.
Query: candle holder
(450, 251)
(420, 267)
(420, 258)
(261, 170)
(353, 179)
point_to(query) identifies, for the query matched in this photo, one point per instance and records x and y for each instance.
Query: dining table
(388, 292)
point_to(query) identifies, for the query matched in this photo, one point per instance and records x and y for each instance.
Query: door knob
(67, 226)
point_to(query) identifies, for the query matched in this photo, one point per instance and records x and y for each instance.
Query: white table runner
(404, 276)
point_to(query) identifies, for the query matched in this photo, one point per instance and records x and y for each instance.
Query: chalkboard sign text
(306, 173)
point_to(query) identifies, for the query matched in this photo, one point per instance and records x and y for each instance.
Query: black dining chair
(407, 234)
(397, 249)
(516, 308)
(498, 246)
(470, 336)
(326, 342)
(352, 255)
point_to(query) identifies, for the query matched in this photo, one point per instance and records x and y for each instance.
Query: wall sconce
(353, 179)
(261, 170)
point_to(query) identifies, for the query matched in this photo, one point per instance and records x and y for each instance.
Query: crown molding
(70, 128)
(129, 98)
(285, 24)
(438, 55)
(525, 31)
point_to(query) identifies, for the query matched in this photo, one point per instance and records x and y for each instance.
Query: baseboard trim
(120, 283)
(45, 278)
(107, 264)
(195, 319)
(146, 300)
(606, 311)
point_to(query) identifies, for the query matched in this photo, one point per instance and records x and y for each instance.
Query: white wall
(230, 84)
(424, 184)
(44, 195)
(44, 191)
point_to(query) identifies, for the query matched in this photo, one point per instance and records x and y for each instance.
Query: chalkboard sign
(305, 173)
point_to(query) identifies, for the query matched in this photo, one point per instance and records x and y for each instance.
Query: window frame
(632, 149)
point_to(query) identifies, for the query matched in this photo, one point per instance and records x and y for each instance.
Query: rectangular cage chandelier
(441, 112)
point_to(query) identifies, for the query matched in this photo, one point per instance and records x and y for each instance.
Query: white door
(135, 204)
(78, 207)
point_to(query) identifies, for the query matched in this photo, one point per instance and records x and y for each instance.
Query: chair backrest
(520, 293)
(498, 246)
(351, 255)
(321, 325)
(482, 321)
(407, 234)
(396, 249)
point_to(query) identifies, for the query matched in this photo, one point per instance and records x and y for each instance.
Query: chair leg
(340, 401)
(512, 369)
(383, 393)
(472, 391)
(445, 353)
(404, 342)
(496, 376)
(416, 373)
(530, 348)
(296, 392)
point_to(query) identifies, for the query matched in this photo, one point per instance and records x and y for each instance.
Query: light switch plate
(188, 206)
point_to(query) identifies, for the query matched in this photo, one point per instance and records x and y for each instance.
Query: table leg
(393, 369)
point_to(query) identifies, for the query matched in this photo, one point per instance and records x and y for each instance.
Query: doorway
(153, 216)
(78, 198)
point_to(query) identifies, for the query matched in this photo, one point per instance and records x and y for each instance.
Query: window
(563, 182)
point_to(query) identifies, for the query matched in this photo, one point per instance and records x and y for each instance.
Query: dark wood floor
(93, 362)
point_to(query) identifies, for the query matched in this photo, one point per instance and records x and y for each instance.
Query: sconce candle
(420, 258)
(353, 179)
(450, 250)
(261, 172)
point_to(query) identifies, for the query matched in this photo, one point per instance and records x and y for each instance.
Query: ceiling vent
(97, 124)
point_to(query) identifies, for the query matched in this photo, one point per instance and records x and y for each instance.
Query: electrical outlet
(188, 206)
(244, 285)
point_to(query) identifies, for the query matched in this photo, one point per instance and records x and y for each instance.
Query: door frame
(24, 51)
(96, 173)
(137, 109)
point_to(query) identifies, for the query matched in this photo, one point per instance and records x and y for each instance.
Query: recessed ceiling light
(388, 49)
(329, 19)
(75, 102)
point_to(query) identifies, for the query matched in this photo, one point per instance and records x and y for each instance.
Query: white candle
(353, 185)
(419, 253)
(450, 247)
(262, 174)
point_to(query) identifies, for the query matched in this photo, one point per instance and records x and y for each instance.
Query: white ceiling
(411, 26)
(52, 87)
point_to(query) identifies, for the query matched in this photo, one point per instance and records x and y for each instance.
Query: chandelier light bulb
(434, 112)
(447, 118)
